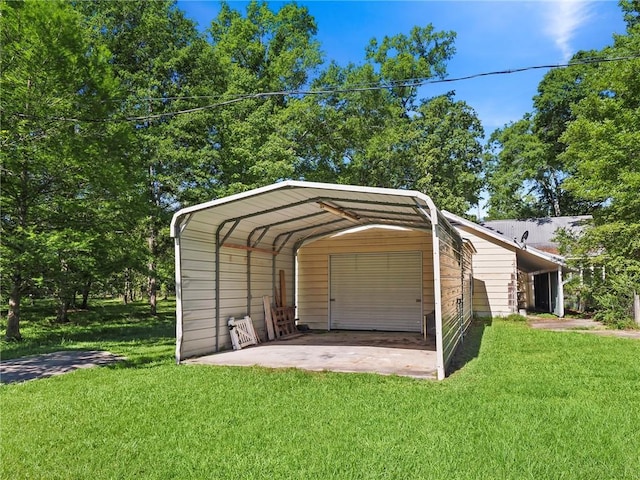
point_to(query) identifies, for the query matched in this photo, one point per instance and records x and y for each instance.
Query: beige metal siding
(313, 267)
(240, 292)
(494, 275)
(376, 291)
(197, 294)
(242, 288)
(233, 291)
(467, 283)
(451, 276)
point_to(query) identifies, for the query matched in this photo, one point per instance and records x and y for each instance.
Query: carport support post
(437, 294)
(178, 265)
(217, 286)
(437, 288)
(560, 293)
(249, 296)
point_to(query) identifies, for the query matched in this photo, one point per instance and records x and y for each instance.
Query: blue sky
(497, 35)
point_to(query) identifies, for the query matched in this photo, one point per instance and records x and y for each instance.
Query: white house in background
(509, 275)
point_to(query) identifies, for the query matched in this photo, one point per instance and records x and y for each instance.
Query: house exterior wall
(313, 267)
(495, 276)
(525, 291)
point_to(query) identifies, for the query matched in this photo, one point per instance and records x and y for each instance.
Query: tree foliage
(389, 137)
(116, 113)
(603, 147)
(578, 153)
(524, 168)
(55, 192)
(263, 51)
(151, 47)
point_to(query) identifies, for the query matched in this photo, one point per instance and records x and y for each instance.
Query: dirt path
(47, 365)
(580, 325)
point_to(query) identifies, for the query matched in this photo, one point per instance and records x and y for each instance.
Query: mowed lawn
(528, 404)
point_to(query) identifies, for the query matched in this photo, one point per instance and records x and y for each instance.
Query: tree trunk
(85, 294)
(63, 311)
(15, 296)
(13, 316)
(153, 282)
(152, 286)
(127, 286)
(636, 307)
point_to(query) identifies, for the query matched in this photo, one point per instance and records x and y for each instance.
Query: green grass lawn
(530, 404)
(127, 330)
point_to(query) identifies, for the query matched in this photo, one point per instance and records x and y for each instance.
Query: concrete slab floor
(386, 353)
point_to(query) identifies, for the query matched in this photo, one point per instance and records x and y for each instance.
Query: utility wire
(406, 83)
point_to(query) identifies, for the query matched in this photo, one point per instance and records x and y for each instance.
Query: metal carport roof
(293, 211)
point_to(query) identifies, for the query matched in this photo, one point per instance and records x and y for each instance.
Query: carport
(230, 252)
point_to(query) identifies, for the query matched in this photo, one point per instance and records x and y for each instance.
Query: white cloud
(565, 17)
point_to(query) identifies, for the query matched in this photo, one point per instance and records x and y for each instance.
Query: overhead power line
(405, 83)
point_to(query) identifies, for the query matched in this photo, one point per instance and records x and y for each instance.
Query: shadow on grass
(470, 348)
(127, 330)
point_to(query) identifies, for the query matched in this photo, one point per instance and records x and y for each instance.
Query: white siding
(494, 275)
(376, 291)
(313, 267)
(240, 293)
(197, 294)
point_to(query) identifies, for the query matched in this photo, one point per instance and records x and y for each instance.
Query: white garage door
(376, 291)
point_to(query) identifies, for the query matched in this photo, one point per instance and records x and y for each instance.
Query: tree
(523, 163)
(449, 154)
(54, 82)
(513, 155)
(152, 47)
(264, 51)
(374, 130)
(603, 147)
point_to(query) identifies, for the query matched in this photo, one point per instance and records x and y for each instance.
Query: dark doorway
(541, 292)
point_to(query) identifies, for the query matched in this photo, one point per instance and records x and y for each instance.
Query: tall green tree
(253, 141)
(375, 130)
(512, 159)
(603, 147)
(152, 48)
(524, 169)
(54, 82)
(448, 160)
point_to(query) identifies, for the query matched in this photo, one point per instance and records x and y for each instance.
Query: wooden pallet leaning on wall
(284, 321)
